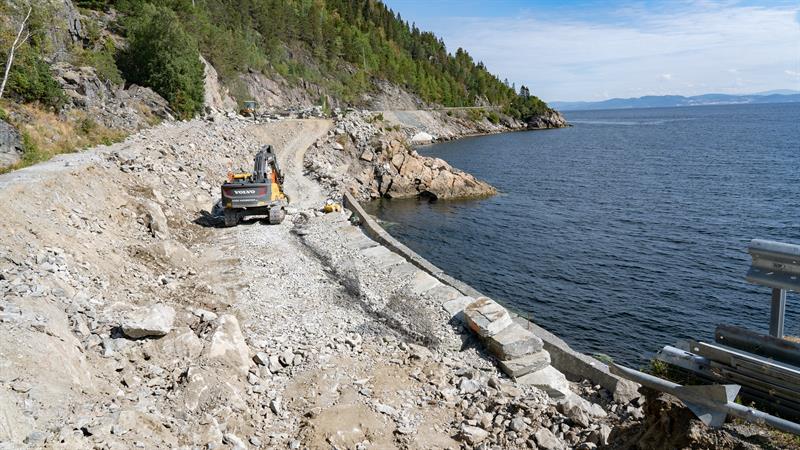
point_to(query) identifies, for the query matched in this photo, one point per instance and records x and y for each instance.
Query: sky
(596, 50)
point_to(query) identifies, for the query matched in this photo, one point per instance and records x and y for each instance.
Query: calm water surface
(625, 232)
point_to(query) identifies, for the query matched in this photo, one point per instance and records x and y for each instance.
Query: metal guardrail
(775, 265)
(710, 403)
(759, 344)
(765, 368)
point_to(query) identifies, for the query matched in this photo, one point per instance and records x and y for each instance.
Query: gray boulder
(10, 144)
(156, 320)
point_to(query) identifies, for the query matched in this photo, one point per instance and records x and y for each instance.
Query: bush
(493, 117)
(103, 60)
(30, 80)
(162, 56)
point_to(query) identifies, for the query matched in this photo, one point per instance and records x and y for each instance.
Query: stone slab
(526, 364)
(486, 317)
(384, 257)
(549, 380)
(513, 342)
(351, 232)
(364, 242)
(404, 270)
(455, 307)
(444, 293)
(582, 366)
(422, 282)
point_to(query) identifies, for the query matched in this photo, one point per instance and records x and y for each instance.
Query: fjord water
(626, 232)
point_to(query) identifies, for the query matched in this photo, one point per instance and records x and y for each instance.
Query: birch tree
(18, 41)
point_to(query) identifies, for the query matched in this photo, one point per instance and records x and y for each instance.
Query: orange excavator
(256, 193)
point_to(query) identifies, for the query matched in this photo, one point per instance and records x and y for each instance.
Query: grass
(668, 372)
(46, 134)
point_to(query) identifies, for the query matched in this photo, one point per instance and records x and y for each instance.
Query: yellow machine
(256, 193)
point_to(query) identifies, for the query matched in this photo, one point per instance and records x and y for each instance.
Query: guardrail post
(777, 312)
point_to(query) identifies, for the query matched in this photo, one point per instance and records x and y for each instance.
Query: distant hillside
(663, 101)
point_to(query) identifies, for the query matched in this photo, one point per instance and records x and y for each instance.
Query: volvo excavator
(256, 193)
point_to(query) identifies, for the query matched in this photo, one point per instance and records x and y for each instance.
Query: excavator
(256, 193)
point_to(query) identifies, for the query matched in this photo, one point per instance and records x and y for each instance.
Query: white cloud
(698, 43)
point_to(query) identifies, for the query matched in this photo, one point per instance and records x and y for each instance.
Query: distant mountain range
(663, 101)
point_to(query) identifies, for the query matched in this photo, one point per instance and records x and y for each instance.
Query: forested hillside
(341, 45)
(85, 72)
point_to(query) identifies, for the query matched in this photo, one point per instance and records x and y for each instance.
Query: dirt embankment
(129, 319)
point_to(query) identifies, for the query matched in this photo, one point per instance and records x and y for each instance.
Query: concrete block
(486, 317)
(444, 293)
(384, 257)
(549, 380)
(526, 364)
(513, 342)
(423, 282)
(455, 307)
(582, 366)
(404, 270)
(363, 242)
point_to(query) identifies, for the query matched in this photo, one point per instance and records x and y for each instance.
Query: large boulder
(422, 138)
(153, 321)
(10, 144)
(156, 219)
(228, 345)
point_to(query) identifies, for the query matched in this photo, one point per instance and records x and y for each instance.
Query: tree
(162, 56)
(14, 47)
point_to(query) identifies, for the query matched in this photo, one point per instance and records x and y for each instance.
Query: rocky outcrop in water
(372, 159)
(551, 119)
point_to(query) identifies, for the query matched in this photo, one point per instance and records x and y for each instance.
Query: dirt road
(291, 138)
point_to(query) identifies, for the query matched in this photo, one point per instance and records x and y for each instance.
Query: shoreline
(574, 364)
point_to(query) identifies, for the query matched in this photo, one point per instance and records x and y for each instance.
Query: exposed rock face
(275, 92)
(390, 96)
(216, 97)
(373, 159)
(553, 119)
(10, 144)
(66, 30)
(111, 105)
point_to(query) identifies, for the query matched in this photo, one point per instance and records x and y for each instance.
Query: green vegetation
(340, 45)
(30, 79)
(163, 56)
(102, 58)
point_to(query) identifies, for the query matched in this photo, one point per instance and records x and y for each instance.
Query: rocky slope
(371, 157)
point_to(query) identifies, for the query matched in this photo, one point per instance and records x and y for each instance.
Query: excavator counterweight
(256, 193)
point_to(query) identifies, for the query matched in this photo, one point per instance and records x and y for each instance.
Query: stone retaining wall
(573, 364)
